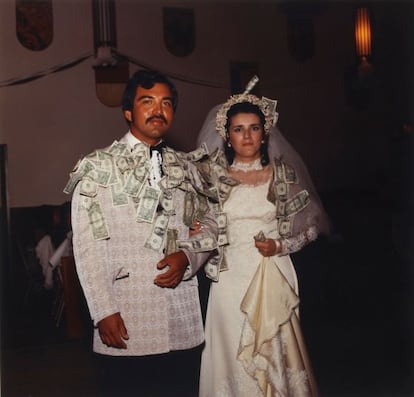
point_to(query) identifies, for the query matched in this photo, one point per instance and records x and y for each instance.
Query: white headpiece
(267, 107)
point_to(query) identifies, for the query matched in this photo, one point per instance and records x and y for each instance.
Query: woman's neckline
(255, 165)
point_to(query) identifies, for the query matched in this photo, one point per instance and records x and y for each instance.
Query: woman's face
(246, 134)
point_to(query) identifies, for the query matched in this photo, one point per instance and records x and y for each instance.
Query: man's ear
(127, 115)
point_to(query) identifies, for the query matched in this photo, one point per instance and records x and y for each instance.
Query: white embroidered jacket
(117, 269)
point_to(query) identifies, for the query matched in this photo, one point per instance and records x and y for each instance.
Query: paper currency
(88, 187)
(147, 207)
(132, 185)
(119, 198)
(285, 227)
(100, 176)
(260, 236)
(221, 220)
(297, 202)
(108, 164)
(158, 233)
(82, 168)
(118, 149)
(198, 153)
(171, 245)
(97, 222)
(167, 202)
(189, 210)
(202, 244)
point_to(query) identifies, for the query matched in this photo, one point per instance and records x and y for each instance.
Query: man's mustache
(157, 117)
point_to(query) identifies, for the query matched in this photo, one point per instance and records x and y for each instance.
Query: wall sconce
(363, 34)
(104, 32)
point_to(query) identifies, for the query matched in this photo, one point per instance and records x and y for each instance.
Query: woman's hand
(268, 247)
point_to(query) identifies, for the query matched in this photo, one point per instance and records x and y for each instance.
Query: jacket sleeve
(91, 261)
(197, 258)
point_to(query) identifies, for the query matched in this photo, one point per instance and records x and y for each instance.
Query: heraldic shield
(179, 30)
(34, 23)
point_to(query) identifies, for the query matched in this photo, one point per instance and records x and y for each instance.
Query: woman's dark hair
(246, 107)
(146, 79)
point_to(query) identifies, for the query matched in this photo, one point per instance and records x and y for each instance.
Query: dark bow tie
(158, 147)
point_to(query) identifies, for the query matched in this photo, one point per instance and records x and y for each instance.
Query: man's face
(152, 113)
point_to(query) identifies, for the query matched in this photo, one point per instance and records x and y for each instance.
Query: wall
(50, 122)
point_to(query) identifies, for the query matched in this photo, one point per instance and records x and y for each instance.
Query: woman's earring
(228, 144)
(262, 141)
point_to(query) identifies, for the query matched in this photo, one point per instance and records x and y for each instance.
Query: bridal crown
(266, 105)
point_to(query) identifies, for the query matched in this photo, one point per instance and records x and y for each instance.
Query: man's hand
(113, 332)
(176, 263)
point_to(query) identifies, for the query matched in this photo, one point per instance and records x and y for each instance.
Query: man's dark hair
(146, 79)
(246, 107)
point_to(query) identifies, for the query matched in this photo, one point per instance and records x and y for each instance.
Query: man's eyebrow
(169, 98)
(144, 97)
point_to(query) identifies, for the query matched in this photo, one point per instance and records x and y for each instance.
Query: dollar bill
(198, 153)
(147, 207)
(82, 168)
(228, 180)
(202, 207)
(169, 157)
(280, 208)
(271, 105)
(290, 174)
(88, 187)
(85, 202)
(221, 220)
(132, 185)
(167, 202)
(285, 227)
(118, 148)
(260, 236)
(205, 243)
(189, 210)
(100, 176)
(171, 245)
(158, 233)
(297, 203)
(281, 190)
(222, 239)
(119, 198)
(122, 163)
(141, 149)
(175, 175)
(108, 164)
(97, 222)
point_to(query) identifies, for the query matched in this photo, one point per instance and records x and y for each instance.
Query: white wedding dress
(258, 351)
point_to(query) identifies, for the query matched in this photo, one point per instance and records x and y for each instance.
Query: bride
(254, 345)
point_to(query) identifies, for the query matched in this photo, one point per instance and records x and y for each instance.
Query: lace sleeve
(295, 243)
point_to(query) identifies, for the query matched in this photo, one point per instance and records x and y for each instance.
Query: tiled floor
(356, 314)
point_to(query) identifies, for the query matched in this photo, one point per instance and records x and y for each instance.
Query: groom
(132, 207)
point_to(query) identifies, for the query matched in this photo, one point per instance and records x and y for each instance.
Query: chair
(58, 305)
(33, 272)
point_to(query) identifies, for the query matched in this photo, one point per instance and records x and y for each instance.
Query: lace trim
(256, 165)
(294, 244)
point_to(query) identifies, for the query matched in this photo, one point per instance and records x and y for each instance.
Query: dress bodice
(249, 212)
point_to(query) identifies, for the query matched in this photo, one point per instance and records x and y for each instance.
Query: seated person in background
(64, 249)
(65, 246)
(44, 250)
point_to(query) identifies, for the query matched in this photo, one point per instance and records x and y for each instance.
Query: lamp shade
(363, 32)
